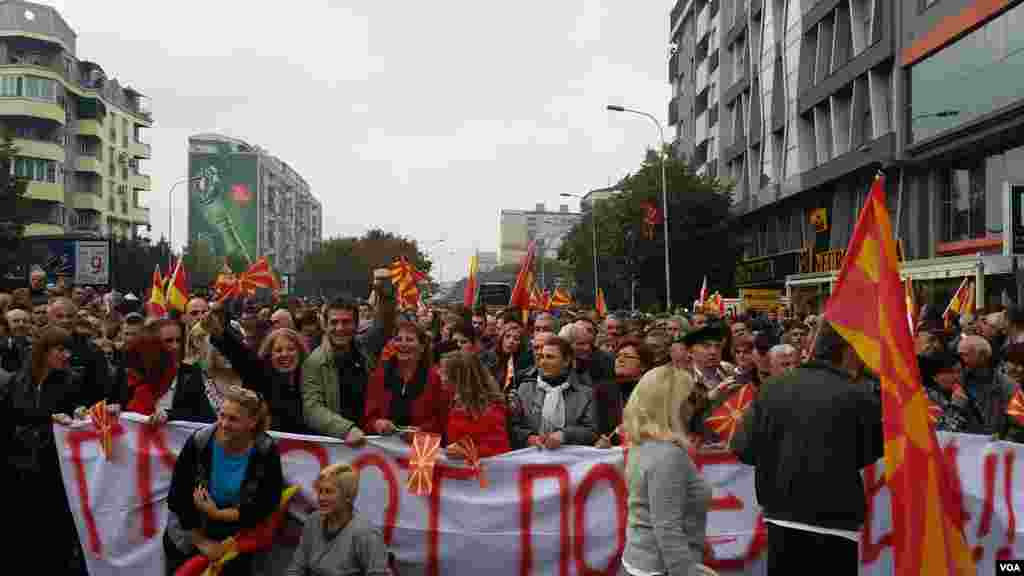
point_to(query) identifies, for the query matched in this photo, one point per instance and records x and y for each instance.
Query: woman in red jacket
(478, 407)
(405, 391)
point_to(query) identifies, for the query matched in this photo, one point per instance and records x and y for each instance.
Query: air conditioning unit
(124, 158)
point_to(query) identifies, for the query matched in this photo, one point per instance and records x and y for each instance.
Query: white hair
(780, 349)
(568, 333)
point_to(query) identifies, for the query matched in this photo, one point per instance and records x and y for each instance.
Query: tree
(698, 211)
(346, 265)
(15, 207)
(133, 262)
(203, 266)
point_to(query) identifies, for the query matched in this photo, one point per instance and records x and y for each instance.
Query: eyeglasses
(627, 357)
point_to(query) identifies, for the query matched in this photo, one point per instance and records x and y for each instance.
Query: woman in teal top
(227, 478)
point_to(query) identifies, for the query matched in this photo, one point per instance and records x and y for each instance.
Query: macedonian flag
(868, 308)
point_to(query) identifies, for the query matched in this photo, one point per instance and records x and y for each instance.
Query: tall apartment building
(520, 227)
(799, 103)
(79, 133)
(251, 203)
(791, 101)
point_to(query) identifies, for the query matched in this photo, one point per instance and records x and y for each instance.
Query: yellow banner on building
(760, 298)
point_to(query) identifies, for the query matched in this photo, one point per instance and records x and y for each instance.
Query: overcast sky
(422, 118)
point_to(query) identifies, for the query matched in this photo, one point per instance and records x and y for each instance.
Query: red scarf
(145, 395)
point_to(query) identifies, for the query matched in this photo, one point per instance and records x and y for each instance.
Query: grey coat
(580, 420)
(668, 510)
(357, 550)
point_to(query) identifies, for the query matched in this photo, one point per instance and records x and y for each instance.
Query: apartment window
(10, 86)
(124, 172)
(36, 169)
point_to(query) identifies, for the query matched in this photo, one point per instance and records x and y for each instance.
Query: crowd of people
(347, 369)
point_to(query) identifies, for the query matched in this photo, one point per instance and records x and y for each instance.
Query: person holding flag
(810, 432)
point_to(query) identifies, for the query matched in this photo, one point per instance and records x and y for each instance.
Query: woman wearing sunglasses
(227, 478)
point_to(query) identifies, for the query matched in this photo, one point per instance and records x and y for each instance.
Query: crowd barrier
(541, 512)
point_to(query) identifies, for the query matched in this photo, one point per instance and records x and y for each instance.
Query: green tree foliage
(346, 265)
(698, 213)
(15, 207)
(133, 262)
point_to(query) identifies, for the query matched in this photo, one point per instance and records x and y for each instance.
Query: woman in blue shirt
(227, 478)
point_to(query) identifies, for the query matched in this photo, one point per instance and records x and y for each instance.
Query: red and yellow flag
(177, 288)
(259, 275)
(868, 308)
(406, 277)
(560, 299)
(1015, 408)
(157, 305)
(726, 418)
(600, 306)
(472, 284)
(961, 303)
(524, 282)
(908, 285)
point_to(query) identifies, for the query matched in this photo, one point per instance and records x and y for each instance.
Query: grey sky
(423, 118)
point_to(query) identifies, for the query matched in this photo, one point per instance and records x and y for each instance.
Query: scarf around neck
(553, 411)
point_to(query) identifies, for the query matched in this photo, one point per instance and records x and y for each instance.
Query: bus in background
(494, 295)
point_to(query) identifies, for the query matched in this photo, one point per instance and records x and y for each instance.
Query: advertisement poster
(55, 257)
(223, 203)
(93, 262)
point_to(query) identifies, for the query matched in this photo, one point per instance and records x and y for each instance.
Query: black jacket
(283, 392)
(190, 402)
(91, 368)
(809, 433)
(25, 413)
(261, 488)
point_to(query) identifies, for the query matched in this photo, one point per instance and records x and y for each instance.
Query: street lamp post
(664, 196)
(170, 219)
(593, 229)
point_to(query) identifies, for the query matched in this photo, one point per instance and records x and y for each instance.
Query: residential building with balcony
(79, 133)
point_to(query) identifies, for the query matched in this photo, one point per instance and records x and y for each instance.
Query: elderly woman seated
(335, 540)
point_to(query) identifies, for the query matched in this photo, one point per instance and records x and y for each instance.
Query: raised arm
(384, 318)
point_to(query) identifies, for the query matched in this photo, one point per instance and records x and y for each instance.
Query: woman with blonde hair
(227, 478)
(274, 368)
(478, 406)
(668, 498)
(335, 540)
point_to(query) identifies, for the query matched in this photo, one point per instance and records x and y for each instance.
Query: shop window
(963, 203)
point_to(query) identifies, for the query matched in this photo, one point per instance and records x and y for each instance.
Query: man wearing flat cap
(705, 345)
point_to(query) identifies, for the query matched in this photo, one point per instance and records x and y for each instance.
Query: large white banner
(543, 512)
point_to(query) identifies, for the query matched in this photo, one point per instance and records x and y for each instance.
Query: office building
(792, 102)
(245, 203)
(520, 227)
(79, 132)
(800, 103)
